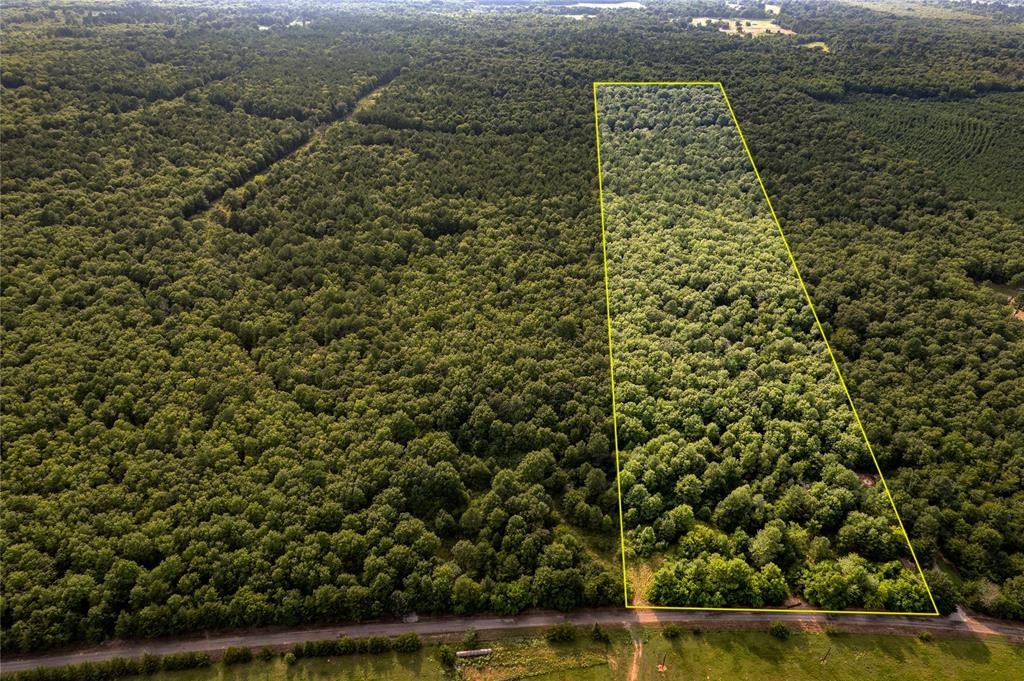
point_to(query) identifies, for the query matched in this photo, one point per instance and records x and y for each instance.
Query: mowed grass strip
(391, 666)
(735, 655)
(534, 657)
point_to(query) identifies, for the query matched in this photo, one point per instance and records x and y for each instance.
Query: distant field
(909, 8)
(751, 26)
(974, 143)
(709, 656)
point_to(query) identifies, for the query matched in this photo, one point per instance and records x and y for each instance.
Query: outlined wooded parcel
(745, 476)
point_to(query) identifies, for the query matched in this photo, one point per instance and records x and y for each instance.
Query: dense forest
(735, 435)
(303, 307)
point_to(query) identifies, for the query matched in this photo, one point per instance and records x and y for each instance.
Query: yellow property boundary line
(817, 321)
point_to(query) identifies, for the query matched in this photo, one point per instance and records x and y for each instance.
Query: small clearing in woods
(1012, 293)
(368, 101)
(816, 45)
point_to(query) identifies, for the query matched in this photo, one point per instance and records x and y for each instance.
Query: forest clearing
(739, 25)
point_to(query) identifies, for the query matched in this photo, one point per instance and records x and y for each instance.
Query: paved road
(958, 623)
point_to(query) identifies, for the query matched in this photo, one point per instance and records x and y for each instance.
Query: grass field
(390, 666)
(756, 655)
(709, 656)
(535, 658)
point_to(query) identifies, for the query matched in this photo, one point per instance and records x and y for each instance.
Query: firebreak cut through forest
(304, 319)
(726, 398)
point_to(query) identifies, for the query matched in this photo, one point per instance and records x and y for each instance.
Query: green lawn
(390, 666)
(533, 658)
(756, 655)
(710, 656)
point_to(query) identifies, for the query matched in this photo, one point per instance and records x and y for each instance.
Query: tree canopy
(305, 321)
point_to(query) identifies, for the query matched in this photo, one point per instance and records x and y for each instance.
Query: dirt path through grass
(638, 651)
